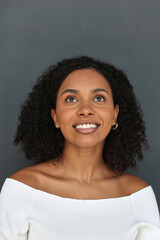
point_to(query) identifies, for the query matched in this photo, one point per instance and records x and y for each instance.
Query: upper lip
(85, 122)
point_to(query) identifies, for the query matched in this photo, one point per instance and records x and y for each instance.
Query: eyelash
(101, 96)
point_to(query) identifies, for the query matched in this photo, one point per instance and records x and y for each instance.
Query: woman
(83, 127)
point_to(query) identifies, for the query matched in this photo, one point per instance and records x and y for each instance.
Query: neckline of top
(77, 199)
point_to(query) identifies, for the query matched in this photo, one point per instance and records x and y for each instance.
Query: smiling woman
(85, 108)
(41, 141)
(82, 127)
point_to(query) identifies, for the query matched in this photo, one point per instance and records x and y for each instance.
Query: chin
(88, 143)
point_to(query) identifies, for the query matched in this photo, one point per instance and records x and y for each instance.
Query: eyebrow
(77, 91)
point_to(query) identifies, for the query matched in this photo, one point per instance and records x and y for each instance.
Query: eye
(100, 99)
(70, 99)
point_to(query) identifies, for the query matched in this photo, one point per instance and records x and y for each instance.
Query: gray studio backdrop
(34, 34)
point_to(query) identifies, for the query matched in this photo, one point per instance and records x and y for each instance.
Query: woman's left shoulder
(132, 183)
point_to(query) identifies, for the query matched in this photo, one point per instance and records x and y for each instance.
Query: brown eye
(70, 99)
(100, 99)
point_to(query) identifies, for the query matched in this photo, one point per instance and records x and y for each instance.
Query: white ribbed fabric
(30, 214)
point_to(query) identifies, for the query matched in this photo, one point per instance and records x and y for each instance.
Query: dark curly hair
(41, 141)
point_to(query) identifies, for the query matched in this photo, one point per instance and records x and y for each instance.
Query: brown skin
(86, 164)
(81, 172)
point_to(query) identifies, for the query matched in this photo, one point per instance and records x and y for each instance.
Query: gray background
(34, 34)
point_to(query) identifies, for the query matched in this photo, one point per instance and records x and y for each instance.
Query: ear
(54, 117)
(116, 111)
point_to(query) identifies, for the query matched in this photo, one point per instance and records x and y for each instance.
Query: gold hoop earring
(114, 126)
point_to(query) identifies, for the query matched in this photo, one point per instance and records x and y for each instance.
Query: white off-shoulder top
(27, 213)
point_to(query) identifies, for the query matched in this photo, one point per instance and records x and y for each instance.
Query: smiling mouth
(86, 128)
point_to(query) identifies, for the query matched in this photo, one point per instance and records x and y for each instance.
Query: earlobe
(54, 117)
(116, 112)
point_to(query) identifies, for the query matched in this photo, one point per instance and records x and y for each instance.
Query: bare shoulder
(35, 176)
(132, 184)
(28, 176)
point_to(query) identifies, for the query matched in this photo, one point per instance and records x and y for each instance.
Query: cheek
(107, 114)
(63, 115)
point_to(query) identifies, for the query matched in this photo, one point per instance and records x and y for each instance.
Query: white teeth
(86, 126)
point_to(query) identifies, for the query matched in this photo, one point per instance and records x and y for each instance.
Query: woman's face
(84, 110)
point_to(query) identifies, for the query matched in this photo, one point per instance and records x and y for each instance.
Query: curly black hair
(41, 141)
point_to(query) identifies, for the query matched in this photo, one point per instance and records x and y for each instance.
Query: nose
(85, 110)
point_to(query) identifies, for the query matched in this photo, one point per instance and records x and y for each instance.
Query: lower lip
(86, 130)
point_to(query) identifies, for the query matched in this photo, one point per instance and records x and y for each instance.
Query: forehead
(85, 78)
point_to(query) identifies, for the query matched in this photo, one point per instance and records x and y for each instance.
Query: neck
(84, 164)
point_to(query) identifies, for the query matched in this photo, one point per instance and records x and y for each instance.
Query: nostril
(82, 114)
(85, 111)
